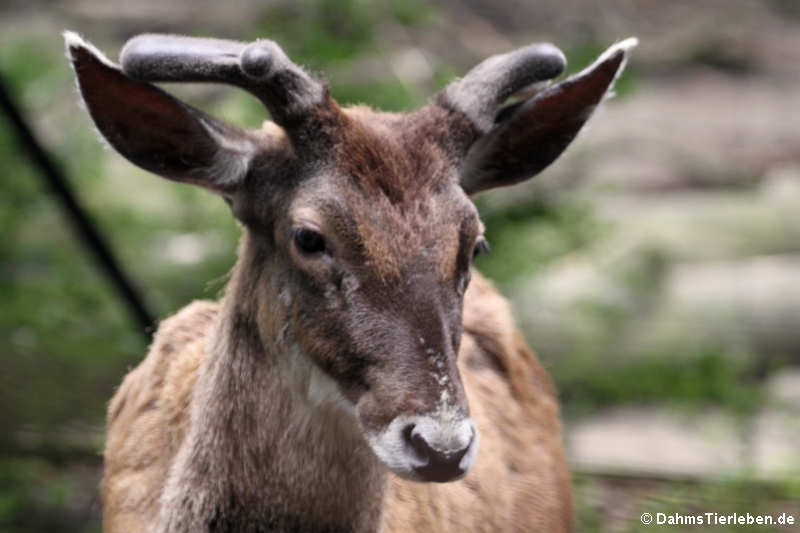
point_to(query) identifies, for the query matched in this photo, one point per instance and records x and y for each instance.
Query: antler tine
(491, 82)
(261, 68)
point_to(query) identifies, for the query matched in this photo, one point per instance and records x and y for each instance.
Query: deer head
(360, 226)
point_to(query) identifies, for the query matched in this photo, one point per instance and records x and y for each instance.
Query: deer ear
(529, 135)
(154, 130)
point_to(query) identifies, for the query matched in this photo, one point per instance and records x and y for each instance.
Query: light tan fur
(345, 347)
(519, 481)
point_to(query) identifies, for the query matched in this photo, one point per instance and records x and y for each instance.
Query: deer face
(362, 220)
(374, 243)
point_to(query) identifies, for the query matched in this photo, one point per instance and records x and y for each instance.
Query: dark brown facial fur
(333, 356)
(398, 235)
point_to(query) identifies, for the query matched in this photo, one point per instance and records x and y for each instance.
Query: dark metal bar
(80, 220)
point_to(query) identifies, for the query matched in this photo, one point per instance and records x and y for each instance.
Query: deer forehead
(389, 190)
(401, 156)
(428, 231)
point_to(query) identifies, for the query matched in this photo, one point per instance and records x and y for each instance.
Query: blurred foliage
(389, 95)
(321, 32)
(689, 381)
(57, 314)
(69, 340)
(720, 56)
(531, 233)
(609, 504)
(37, 496)
(789, 8)
(68, 337)
(411, 12)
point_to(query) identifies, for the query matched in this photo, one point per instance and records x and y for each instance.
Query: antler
(525, 137)
(479, 94)
(261, 68)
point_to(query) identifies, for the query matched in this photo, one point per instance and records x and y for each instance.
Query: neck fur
(273, 444)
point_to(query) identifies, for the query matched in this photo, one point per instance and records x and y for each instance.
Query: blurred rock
(676, 271)
(411, 66)
(783, 388)
(774, 443)
(713, 444)
(186, 248)
(656, 441)
(750, 306)
(698, 132)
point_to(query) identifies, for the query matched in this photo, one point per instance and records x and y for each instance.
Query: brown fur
(345, 347)
(398, 164)
(219, 429)
(519, 482)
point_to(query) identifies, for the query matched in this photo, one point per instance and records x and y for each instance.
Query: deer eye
(481, 247)
(308, 241)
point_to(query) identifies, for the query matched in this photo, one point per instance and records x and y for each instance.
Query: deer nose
(442, 455)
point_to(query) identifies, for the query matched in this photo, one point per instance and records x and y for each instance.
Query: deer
(343, 381)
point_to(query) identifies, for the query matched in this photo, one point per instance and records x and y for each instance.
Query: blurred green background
(655, 268)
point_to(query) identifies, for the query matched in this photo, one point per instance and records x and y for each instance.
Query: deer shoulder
(356, 364)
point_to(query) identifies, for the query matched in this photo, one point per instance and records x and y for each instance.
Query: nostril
(424, 451)
(417, 444)
(432, 455)
(408, 434)
(434, 464)
(407, 431)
